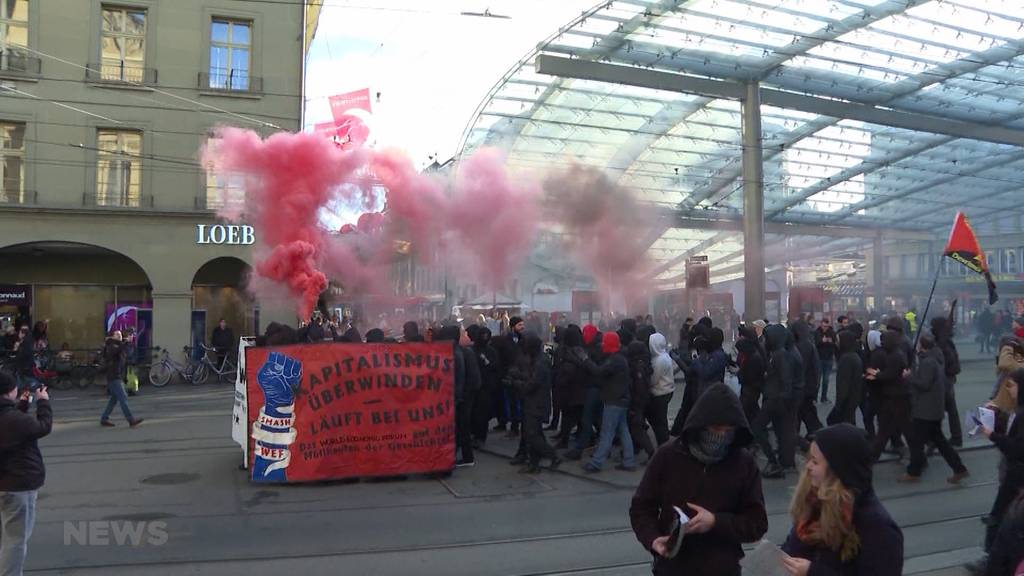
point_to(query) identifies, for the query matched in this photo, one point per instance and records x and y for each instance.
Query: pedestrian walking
(928, 385)
(115, 361)
(839, 525)
(663, 387)
(849, 381)
(22, 472)
(1009, 439)
(615, 381)
(709, 475)
(828, 345)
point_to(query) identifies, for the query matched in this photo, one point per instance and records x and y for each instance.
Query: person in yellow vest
(911, 318)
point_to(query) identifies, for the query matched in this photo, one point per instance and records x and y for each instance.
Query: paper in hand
(675, 541)
(978, 417)
(764, 560)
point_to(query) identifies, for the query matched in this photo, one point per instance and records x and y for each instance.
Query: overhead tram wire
(166, 93)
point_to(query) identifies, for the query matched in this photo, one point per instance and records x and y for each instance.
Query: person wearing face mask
(839, 525)
(490, 384)
(615, 380)
(707, 473)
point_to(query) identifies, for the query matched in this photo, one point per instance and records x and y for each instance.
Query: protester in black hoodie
(894, 401)
(22, 472)
(1007, 551)
(573, 379)
(411, 332)
(787, 457)
(534, 386)
(463, 409)
(839, 525)
(849, 381)
(639, 357)
(751, 373)
(777, 394)
(490, 386)
(709, 475)
(808, 412)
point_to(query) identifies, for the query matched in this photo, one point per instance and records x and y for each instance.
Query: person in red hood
(615, 379)
(1018, 327)
(590, 333)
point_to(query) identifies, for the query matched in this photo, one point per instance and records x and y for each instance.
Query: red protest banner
(330, 411)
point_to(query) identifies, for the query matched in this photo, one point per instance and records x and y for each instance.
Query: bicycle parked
(161, 371)
(227, 367)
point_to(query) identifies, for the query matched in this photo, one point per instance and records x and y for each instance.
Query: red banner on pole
(331, 411)
(963, 247)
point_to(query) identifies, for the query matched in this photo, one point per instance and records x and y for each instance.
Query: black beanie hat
(848, 453)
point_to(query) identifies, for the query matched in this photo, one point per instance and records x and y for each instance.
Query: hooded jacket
(778, 382)
(848, 454)
(571, 378)
(663, 379)
(890, 378)
(21, 463)
(411, 332)
(612, 374)
(943, 334)
(809, 356)
(730, 489)
(928, 385)
(796, 365)
(639, 357)
(709, 368)
(487, 359)
(752, 365)
(849, 378)
(532, 379)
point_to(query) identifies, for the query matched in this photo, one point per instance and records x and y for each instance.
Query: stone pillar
(753, 205)
(172, 321)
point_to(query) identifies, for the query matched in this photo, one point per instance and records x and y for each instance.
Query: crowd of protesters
(604, 394)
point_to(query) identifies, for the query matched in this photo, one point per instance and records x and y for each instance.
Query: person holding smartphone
(21, 468)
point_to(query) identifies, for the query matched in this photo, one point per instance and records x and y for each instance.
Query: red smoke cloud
(289, 177)
(493, 216)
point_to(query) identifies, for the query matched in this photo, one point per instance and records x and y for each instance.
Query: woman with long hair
(839, 525)
(1008, 437)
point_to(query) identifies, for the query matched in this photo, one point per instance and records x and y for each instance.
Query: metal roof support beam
(654, 79)
(753, 205)
(789, 229)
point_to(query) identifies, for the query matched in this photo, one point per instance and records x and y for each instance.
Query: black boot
(518, 460)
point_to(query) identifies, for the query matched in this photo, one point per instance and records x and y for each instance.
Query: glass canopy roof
(960, 60)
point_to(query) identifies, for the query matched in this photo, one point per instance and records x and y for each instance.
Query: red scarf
(808, 530)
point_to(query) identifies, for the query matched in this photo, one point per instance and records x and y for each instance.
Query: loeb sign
(237, 234)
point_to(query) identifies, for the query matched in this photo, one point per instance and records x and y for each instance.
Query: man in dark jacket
(222, 340)
(928, 385)
(808, 412)
(615, 380)
(776, 394)
(751, 372)
(943, 333)
(490, 385)
(21, 468)
(572, 379)
(24, 359)
(849, 381)
(411, 332)
(894, 401)
(463, 393)
(509, 346)
(797, 374)
(115, 360)
(709, 475)
(639, 357)
(827, 344)
(702, 372)
(531, 377)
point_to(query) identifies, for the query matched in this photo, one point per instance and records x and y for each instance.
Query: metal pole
(920, 323)
(753, 205)
(878, 270)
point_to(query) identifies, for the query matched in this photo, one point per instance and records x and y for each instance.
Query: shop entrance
(81, 291)
(218, 292)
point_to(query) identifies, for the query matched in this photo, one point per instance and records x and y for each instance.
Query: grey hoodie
(663, 379)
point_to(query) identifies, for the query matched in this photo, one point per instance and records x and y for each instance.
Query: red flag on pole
(964, 248)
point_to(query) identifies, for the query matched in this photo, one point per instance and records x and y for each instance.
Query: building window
(223, 189)
(123, 51)
(230, 54)
(12, 162)
(118, 168)
(13, 33)
(1011, 262)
